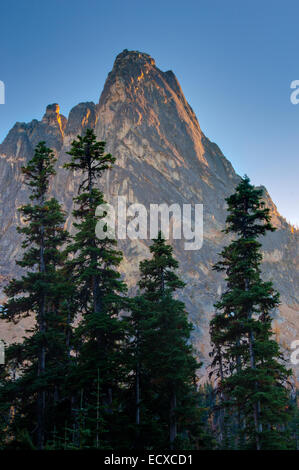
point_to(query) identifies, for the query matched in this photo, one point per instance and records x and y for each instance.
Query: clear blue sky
(234, 59)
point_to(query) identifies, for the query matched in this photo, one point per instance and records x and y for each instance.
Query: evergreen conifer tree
(99, 294)
(164, 379)
(252, 377)
(35, 367)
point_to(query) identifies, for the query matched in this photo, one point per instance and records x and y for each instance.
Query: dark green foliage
(166, 407)
(101, 371)
(98, 371)
(249, 367)
(37, 365)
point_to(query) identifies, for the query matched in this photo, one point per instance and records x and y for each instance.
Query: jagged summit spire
(138, 95)
(133, 56)
(162, 157)
(52, 117)
(52, 114)
(135, 74)
(132, 65)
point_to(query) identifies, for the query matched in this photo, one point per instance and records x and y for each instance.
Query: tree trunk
(98, 411)
(97, 304)
(68, 333)
(222, 436)
(41, 398)
(173, 421)
(240, 418)
(137, 394)
(257, 406)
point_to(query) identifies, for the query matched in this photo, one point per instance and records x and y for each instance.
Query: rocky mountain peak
(136, 71)
(80, 117)
(52, 110)
(52, 117)
(132, 57)
(130, 69)
(138, 99)
(162, 156)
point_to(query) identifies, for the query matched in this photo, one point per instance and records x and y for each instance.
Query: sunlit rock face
(162, 157)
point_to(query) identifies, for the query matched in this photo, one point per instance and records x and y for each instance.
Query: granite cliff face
(162, 157)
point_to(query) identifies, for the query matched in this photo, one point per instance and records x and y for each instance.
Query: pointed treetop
(39, 170)
(248, 215)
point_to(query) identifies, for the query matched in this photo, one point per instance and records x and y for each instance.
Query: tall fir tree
(167, 412)
(100, 291)
(251, 375)
(34, 367)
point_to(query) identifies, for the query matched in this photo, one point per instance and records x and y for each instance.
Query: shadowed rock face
(162, 157)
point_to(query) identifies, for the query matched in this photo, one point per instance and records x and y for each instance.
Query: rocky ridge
(162, 157)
